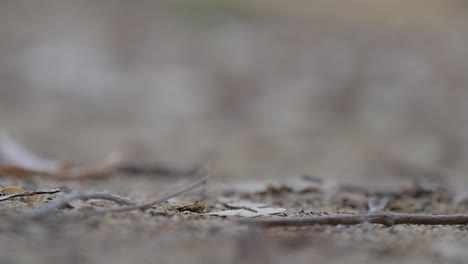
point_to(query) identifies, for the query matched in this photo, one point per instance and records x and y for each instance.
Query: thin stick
(157, 200)
(386, 218)
(45, 210)
(31, 193)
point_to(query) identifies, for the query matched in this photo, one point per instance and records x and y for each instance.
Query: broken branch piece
(27, 194)
(384, 218)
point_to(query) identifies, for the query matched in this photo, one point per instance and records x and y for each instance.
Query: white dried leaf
(252, 187)
(242, 204)
(377, 204)
(233, 203)
(299, 185)
(14, 153)
(253, 212)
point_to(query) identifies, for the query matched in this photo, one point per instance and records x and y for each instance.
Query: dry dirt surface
(350, 114)
(220, 223)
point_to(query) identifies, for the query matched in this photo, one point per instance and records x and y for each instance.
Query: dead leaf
(101, 169)
(246, 208)
(253, 212)
(14, 153)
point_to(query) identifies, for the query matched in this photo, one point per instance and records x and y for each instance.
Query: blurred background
(355, 90)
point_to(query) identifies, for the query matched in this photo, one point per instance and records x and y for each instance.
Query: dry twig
(130, 206)
(384, 218)
(157, 200)
(25, 194)
(45, 210)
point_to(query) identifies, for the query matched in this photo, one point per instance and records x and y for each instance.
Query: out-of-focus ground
(254, 89)
(372, 92)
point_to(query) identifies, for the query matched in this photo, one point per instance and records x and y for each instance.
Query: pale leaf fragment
(253, 212)
(14, 153)
(245, 208)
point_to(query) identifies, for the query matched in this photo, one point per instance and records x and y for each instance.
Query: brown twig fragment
(25, 194)
(384, 218)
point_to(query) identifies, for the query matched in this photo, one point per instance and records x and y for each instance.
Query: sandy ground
(165, 234)
(253, 91)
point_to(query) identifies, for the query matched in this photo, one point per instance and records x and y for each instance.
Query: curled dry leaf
(98, 170)
(14, 153)
(22, 163)
(30, 200)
